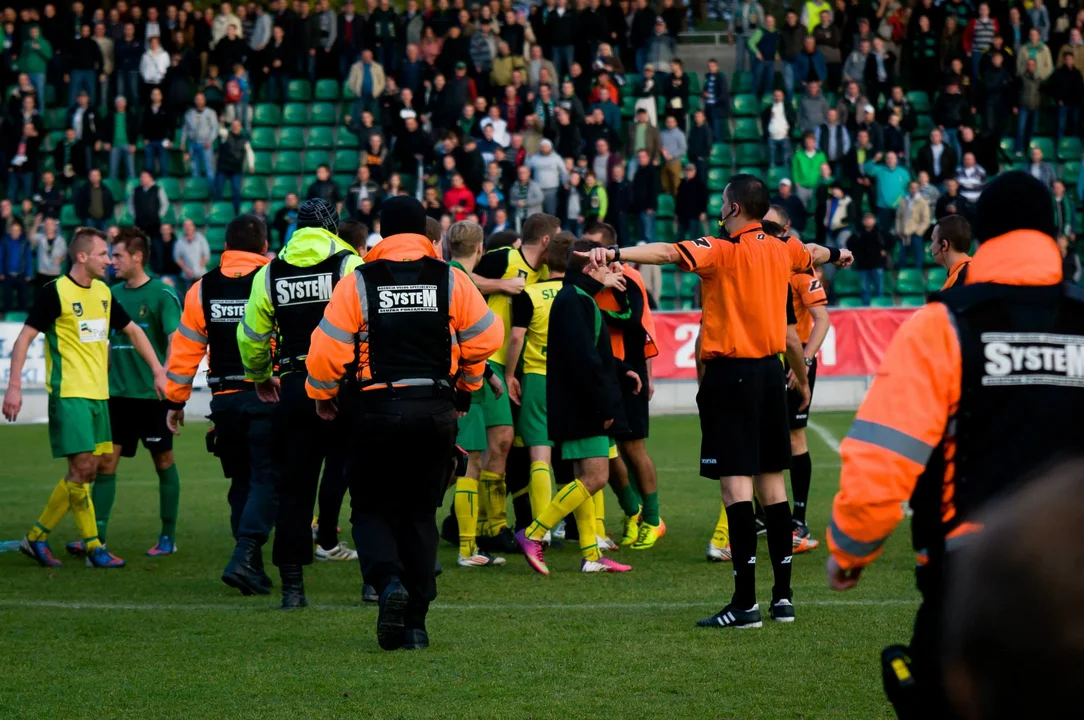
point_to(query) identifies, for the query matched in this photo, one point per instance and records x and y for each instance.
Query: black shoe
(503, 543)
(257, 564)
(415, 639)
(240, 573)
(758, 522)
(368, 594)
(449, 530)
(293, 587)
(437, 569)
(732, 617)
(391, 620)
(782, 610)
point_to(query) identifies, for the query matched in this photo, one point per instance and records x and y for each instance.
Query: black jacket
(231, 154)
(76, 157)
(951, 111)
(645, 189)
(691, 200)
(700, 141)
(108, 123)
(959, 205)
(157, 126)
(82, 201)
(86, 55)
(867, 246)
(949, 161)
(561, 30)
(582, 392)
(1067, 86)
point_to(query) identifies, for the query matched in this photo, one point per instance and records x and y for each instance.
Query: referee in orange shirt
(744, 420)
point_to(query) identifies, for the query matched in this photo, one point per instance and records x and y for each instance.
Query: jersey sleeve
(493, 265)
(810, 290)
(800, 258)
(118, 316)
(46, 309)
(522, 310)
(701, 255)
(169, 310)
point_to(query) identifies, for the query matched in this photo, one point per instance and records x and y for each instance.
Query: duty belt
(230, 382)
(410, 389)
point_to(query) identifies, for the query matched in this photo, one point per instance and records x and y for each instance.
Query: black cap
(1014, 201)
(402, 214)
(318, 213)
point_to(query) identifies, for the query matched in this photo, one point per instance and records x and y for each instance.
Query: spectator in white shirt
(191, 253)
(972, 178)
(153, 65)
(500, 126)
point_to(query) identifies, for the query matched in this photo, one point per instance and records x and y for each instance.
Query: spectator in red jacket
(458, 199)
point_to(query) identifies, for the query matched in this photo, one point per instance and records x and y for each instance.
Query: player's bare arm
(796, 360)
(508, 286)
(821, 323)
(515, 348)
(13, 398)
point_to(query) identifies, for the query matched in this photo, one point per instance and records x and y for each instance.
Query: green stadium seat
(267, 114)
(125, 218)
(1070, 148)
(171, 186)
(292, 138)
(752, 170)
(320, 137)
(775, 175)
(923, 125)
(668, 290)
(48, 162)
(216, 238)
(746, 129)
(694, 103)
(265, 162)
(1007, 145)
(176, 161)
(347, 93)
(920, 101)
(1069, 173)
(916, 146)
(741, 82)
(287, 163)
(53, 139)
(1045, 144)
(751, 154)
(254, 187)
(283, 184)
(116, 187)
(847, 282)
(665, 207)
(884, 301)
(343, 182)
(56, 118)
(314, 159)
(850, 302)
(664, 231)
(720, 155)
(196, 189)
(745, 105)
(628, 106)
(717, 178)
(194, 211)
(16, 317)
(326, 90)
(298, 91)
(935, 278)
(909, 281)
(689, 283)
(322, 113)
(715, 205)
(913, 301)
(694, 84)
(295, 114)
(346, 139)
(68, 218)
(129, 186)
(888, 287)
(263, 138)
(345, 161)
(221, 213)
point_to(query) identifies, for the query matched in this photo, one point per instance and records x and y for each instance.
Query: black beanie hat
(402, 214)
(318, 213)
(1014, 201)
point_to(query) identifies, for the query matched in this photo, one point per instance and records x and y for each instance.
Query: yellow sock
(494, 498)
(83, 513)
(584, 513)
(600, 514)
(54, 512)
(566, 500)
(539, 486)
(466, 512)
(721, 537)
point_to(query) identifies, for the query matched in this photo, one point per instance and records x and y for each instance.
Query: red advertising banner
(855, 344)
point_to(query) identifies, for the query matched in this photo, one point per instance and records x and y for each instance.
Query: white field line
(824, 434)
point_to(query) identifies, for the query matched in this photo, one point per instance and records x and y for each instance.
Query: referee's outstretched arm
(670, 254)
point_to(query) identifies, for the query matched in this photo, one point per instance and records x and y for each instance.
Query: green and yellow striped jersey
(531, 310)
(502, 264)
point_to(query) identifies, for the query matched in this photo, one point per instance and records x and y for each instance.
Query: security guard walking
(425, 334)
(288, 298)
(978, 391)
(241, 438)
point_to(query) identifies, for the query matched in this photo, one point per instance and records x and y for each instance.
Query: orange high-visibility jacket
(476, 333)
(607, 302)
(190, 342)
(909, 406)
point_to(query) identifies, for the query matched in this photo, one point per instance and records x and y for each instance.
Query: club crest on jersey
(228, 311)
(303, 289)
(77, 309)
(105, 306)
(407, 298)
(143, 311)
(1033, 359)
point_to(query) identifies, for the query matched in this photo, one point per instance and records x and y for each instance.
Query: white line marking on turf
(824, 434)
(454, 607)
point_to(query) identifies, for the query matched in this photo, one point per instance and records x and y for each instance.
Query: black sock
(780, 547)
(743, 549)
(801, 470)
(522, 507)
(758, 509)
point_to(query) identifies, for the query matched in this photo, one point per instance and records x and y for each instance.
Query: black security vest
(1022, 387)
(224, 299)
(299, 296)
(407, 307)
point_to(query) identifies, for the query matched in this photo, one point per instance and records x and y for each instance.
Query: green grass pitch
(164, 638)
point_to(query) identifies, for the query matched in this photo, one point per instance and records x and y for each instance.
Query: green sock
(629, 499)
(102, 493)
(169, 497)
(651, 508)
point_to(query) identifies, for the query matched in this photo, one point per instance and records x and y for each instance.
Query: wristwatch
(617, 253)
(809, 362)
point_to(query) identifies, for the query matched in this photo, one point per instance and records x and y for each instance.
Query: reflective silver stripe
(199, 294)
(851, 546)
(473, 378)
(331, 249)
(336, 333)
(892, 439)
(451, 287)
(253, 371)
(477, 328)
(252, 334)
(363, 337)
(241, 378)
(363, 297)
(418, 382)
(455, 338)
(180, 379)
(267, 286)
(342, 266)
(322, 384)
(959, 541)
(191, 334)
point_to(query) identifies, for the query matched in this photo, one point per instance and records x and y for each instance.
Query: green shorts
(496, 410)
(593, 447)
(472, 429)
(78, 425)
(531, 424)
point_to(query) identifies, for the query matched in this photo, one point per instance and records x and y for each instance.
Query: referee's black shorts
(800, 418)
(744, 421)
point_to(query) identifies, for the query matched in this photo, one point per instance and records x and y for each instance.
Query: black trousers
(333, 484)
(301, 442)
(407, 443)
(926, 648)
(242, 443)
